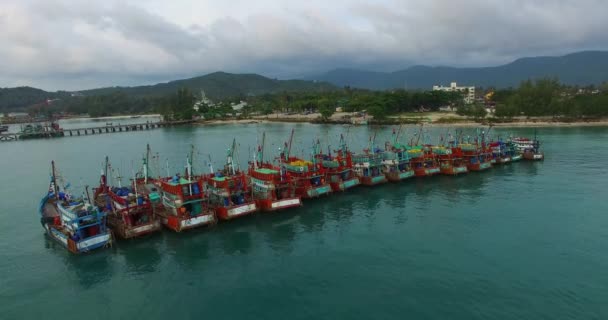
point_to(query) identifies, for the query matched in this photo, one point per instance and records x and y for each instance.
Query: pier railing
(91, 130)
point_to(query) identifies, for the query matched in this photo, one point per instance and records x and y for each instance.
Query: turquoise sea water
(522, 241)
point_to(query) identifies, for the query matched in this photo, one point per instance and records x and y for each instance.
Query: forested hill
(581, 68)
(221, 85)
(217, 86)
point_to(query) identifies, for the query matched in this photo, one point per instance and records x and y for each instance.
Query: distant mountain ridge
(580, 68)
(219, 85)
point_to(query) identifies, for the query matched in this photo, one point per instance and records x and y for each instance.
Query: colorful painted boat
(368, 165)
(339, 167)
(396, 160)
(476, 157)
(451, 160)
(529, 148)
(184, 201)
(130, 213)
(229, 189)
(74, 223)
(500, 152)
(273, 189)
(308, 176)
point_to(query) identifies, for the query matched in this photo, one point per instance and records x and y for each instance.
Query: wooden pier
(91, 130)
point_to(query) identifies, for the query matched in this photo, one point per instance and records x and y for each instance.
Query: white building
(202, 102)
(469, 92)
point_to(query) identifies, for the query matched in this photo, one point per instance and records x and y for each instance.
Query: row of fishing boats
(182, 202)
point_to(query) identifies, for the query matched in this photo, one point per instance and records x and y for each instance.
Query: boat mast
(146, 163)
(189, 166)
(55, 187)
(262, 148)
(289, 145)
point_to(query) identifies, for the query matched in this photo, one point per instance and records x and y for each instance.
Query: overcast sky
(78, 44)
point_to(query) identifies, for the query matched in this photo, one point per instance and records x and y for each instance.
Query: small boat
(229, 190)
(108, 123)
(3, 129)
(131, 213)
(273, 189)
(500, 152)
(529, 148)
(451, 160)
(477, 157)
(308, 176)
(73, 222)
(368, 165)
(396, 160)
(339, 168)
(184, 205)
(423, 160)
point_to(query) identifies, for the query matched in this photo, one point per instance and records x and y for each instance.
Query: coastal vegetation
(532, 98)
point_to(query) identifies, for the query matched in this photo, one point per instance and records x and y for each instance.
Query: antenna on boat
(263, 145)
(54, 181)
(167, 168)
(86, 188)
(134, 181)
(289, 145)
(189, 166)
(146, 159)
(210, 165)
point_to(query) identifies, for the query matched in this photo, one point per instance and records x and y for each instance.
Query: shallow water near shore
(521, 241)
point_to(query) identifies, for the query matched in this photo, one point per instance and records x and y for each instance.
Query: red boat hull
(269, 205)
(179, 224)
(227, 213)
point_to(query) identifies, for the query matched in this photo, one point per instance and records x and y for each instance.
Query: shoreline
(469, 124)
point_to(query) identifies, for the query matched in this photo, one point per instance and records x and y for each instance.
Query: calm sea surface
(522, 241)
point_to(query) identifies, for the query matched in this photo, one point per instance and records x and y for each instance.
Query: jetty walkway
(49, 133)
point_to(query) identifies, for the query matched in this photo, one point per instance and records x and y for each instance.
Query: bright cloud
(74, 44)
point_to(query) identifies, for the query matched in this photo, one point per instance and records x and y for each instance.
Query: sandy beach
(433, 119)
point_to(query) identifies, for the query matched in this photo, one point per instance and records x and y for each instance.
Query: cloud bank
(75, 45)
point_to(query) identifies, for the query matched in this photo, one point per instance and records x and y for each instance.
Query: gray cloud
(74, 45)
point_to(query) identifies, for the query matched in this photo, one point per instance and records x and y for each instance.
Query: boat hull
(81, 246)
(227, 213)
(479, 166)
(344, 185)
(453, 171)
(269, 205)
(372, 181)
(533, 156)
(503, 160)
(424, 172)
(179, 224)
(123, 231)
(314, 192)
(397, 176)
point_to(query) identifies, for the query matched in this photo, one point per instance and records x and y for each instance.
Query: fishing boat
(423, 160)
(368, 165)
(529, 148)
(396, 160)
(308, 176)
(130, 213)
(476, 157)
(73, 222)
(513, 152)
(184, 204)
(339, 167)
(500, 152)
(273, 189)
(451, 160)
(229, 190)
